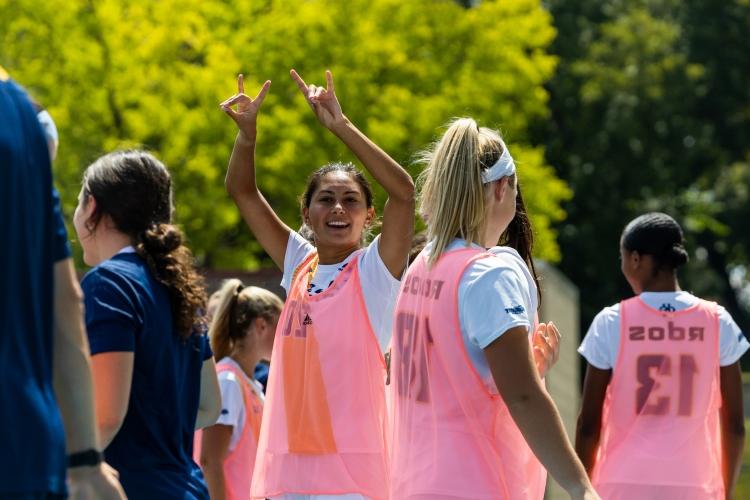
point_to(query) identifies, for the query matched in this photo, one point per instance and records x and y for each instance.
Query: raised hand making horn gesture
(246, 114)
(323, 101)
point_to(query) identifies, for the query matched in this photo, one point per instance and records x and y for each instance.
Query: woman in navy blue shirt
(154, 375)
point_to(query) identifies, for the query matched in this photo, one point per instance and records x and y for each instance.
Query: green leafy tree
(151, 74)
(651, 111)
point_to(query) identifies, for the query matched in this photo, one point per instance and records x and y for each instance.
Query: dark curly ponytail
(135, 190)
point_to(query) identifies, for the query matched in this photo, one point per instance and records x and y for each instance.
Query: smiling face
(338, 211)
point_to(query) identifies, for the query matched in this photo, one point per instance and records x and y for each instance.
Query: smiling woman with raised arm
(324, 423)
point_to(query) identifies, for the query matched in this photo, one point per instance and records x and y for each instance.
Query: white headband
(503, 167)
(50, 132)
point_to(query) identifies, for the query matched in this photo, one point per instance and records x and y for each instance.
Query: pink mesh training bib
(453, 437)
(660, 427)
(324, 422)
(239, 463)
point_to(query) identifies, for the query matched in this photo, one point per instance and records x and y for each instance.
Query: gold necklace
(312, 270)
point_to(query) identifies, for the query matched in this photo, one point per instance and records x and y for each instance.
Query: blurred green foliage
(117, 73)
(650, 110)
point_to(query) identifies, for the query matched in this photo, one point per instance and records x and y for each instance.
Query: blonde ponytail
(452, 197)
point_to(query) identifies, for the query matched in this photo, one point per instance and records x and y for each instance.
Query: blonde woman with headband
(470, 414)
(242, 334)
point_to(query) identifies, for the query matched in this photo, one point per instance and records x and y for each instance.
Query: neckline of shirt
(676, 293)
(127, 249)
(254, 384)
(462, 243)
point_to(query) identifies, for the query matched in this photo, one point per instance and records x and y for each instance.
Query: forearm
(732, 421)
(240, 180)
(209, 405)
(74, 390)
(387, 172)
(107, 430)
(214, 473)
(241, 185)
(732, 447)
(586, 446)
(540, 423)
(72, 377)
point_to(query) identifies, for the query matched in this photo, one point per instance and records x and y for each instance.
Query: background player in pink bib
(324, 423)
(241, 333)
(662, 413)
(468, 404)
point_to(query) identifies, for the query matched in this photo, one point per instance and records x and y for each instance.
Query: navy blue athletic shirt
(32, 442)
(127, 310)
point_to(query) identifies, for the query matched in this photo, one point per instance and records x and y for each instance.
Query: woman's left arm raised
(398, 212)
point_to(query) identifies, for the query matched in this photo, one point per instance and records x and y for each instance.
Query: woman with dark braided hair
(662, 413)
(155, 380)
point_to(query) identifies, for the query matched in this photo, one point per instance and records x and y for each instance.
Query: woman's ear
(258, 325)
(500, 188)
(370, 216)
(635, 258)
(89, 209)
(306, 215)
(261, 326)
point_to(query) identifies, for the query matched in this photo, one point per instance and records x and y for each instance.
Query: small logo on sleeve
(224, 411)
(307, 320)
(515, 309)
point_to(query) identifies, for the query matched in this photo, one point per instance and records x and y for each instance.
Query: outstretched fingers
(263, 91)
(235, 99)
(242, 98)
(554, 337)
(329, 81)
(240, 84)
(230, 112)
(300, 82)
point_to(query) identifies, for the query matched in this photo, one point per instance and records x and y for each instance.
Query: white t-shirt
(602, 341)
(232, 403)
(379, 287)
(495, 294)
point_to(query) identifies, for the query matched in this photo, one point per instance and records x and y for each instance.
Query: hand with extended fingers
(546, 347)
(246, 114)
(323, 101)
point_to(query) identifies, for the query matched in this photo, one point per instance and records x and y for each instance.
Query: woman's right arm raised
(240, 182)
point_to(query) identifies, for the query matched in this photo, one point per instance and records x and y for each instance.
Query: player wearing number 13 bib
(663, 380)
